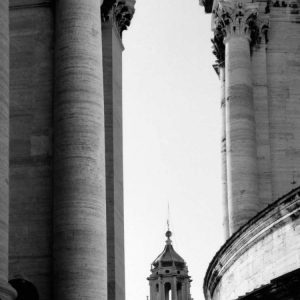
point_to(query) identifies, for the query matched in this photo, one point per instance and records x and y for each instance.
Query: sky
(172, 133)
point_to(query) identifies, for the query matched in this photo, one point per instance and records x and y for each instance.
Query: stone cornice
(282, 211)
(120, 13)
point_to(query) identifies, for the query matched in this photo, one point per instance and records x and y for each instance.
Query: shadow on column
(26, 290)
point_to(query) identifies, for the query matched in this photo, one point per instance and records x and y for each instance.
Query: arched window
(26, 290)
(168, 291)
(157, 288)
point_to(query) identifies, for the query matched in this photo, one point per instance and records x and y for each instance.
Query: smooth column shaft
(223, 153)
(161, 291)
(80, 264)
(174, 289)
(242, 174)
(6, 292)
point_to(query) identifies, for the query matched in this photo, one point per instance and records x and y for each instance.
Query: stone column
(80, 260)
(184, 290)
(242, 176)
(241, 137)
(174, 289)
(161, 290)
(6, 292)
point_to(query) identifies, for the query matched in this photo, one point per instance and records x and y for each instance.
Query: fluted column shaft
(6, 292)
(223, 153)
(80, 265)
(240, 133)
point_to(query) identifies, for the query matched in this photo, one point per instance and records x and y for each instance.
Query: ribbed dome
(169, 256)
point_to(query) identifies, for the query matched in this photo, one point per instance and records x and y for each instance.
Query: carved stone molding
(120, 13)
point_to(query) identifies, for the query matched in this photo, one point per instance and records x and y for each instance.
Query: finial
(168, 235)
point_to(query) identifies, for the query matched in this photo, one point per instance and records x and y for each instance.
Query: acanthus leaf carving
(120, 14)
(236, 18)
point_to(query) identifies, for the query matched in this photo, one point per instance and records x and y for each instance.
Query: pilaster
(6, 292)
(224, 152)
(80, 260)
(114, 21)
(119, 14)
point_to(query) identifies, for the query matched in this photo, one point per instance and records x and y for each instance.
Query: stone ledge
(283, 211)
(23, 4)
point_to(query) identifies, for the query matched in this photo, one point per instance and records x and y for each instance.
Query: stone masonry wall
(31, 67)
(283, 67)
(276, 81)
(274, 255)
(266, 248)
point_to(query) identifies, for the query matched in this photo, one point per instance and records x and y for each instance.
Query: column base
(7, 292)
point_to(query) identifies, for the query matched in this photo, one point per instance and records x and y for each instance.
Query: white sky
(172, 138)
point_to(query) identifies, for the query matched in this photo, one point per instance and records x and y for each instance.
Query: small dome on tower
(169, 278)
(169, 257)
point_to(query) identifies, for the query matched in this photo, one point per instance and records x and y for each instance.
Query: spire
(168, 233)
(168, 218)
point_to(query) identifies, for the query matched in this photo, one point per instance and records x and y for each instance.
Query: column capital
(120, 13)
(237, 19)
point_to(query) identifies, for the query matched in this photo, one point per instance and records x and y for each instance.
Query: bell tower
(169, 279)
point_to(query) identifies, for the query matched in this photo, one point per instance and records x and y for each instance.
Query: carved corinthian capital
(236, 18)
(120, 13)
